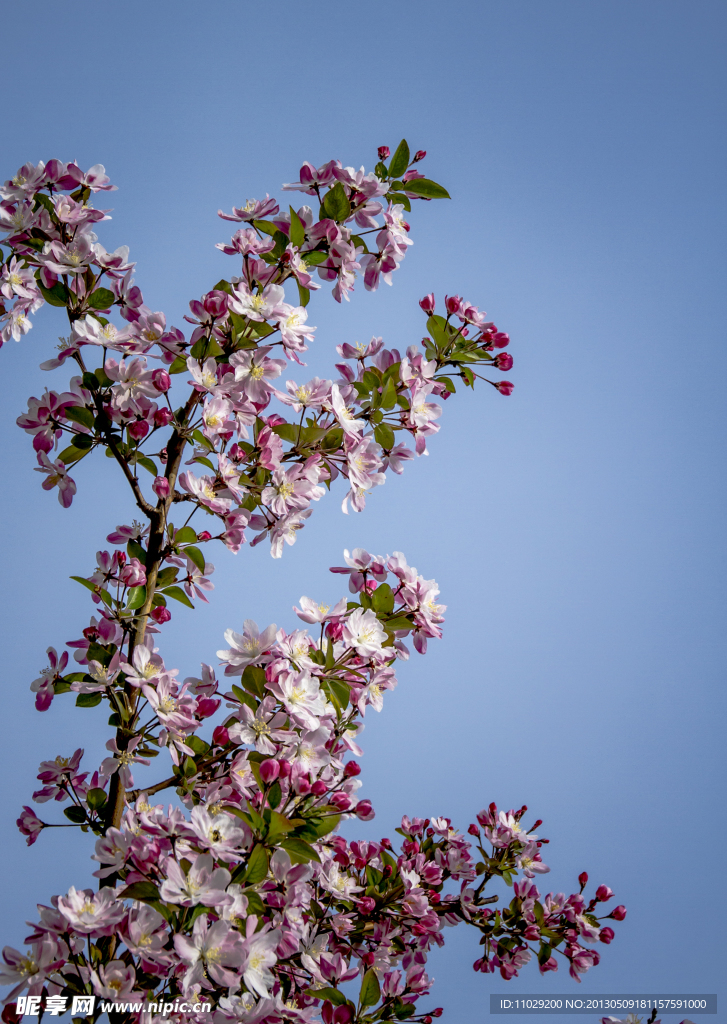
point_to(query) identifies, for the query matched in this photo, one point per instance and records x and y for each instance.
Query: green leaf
(179, 365)
(383, 599)
(144, 891)
(370, 989)
(56, 296)
(425, 187)
(257, 865)
(253, 679)
(399, 622)
(287, 431)
(279, 824)
(400, 160)
(388, 397)
(266, 226)
(331, 994)
(88, 700)
(82, 441)
(333, 440)
(136, 598)
(102, 298)
(447, 381)
(297, 229)
(275, 795)
(544, 953)
(178, 594)
(303, 295)
(75, 814)
(90, 381)
(72, 454)
(102, 377)
(95, 798)
(385, 436)
(197, 557)
(85, 583)
(185, 536)
(223, 286)
(299, 851)
(437, 327)
(336, 205)
(80, 414)
(148, 465)
(167, 576)
(313, 257)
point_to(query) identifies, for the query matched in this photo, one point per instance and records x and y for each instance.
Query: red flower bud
(619, 913)
(204, 535)
(319, 788)
(220, 737)
(603, 893)
(341, 801)
(419, 155)
(473, 830)
(583, 880)
(438, 1012)
(384, 152)
(160, 614)
(161, 380)
(285, 769)
(342, 1015)
(302, 785)
(269, 770)
(207, 706)
(607, 935)
(503, 361)
(161, 487)
(364, 810)
(352, 768)
(163, 417)
(366, 904)
(505, 387)
(428, 303)
(138, 429)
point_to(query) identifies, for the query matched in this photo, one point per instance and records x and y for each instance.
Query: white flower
(363, 631)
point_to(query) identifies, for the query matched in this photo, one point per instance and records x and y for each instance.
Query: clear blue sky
(576, 528)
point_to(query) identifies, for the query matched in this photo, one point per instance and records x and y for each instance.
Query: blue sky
(576, 529)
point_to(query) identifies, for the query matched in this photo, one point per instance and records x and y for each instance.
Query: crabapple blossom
(245, 888)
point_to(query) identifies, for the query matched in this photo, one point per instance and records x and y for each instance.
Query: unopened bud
(384, 152)
(603, 893)
(607, 935)
(138, 429)
(319, 788)
(161, 487)
(428, 303)
(366, 904)
(220, 737)
(160, 614)
(419, 155)
(352, 768)
(207, 706)
(619, 913)
(269, 770)
(161, 380)
(204, 535)
(341, 801)
(583, 880)
(473, 830)
(365, 810)
(503, 361)
(163, 417)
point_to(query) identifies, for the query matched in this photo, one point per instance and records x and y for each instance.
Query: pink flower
(122, 760)
(43, 685)
(254, 209)
(92, 913)
(209, 953)
(57, 476)
(30, 825)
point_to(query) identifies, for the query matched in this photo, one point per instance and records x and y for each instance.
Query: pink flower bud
(302, 785)
(428, 303)
(220, 737)
(207, 706)
(161, 380)
(163, 417)
(138, 429)
(341, 801)
(160, 487)
(438, 1012)
(269, 770)
(505, 387)
(603, 893)
(473, 830)
(342, 1015)
(503, 361)
(619, 913)
(607, 935)
(365, 811)
(366, 904)
(319, 788)
(501, 340)
(285, 769)
(352, 769)
(384, 152)
(160, 614)
(452, 303)
(204, 535)
(583, 880)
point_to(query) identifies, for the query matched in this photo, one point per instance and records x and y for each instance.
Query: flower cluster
(244, 891)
